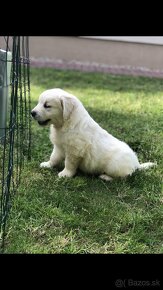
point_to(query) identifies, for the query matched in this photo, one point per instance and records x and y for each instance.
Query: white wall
(136, 39)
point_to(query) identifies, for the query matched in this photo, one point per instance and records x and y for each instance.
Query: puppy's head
(54, 107)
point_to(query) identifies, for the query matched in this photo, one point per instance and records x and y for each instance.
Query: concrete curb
(95, 67)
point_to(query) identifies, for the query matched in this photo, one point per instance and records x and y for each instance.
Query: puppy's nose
(33, 113)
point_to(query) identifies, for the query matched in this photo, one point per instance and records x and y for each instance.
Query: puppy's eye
(46, 106)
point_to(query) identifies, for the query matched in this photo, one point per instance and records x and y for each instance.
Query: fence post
(5, 70)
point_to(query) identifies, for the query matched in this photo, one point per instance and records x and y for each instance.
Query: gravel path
(95, 67)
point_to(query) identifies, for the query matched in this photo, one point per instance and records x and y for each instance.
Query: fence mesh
(15, 127)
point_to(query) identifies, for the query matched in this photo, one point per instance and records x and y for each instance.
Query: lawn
(85, 214)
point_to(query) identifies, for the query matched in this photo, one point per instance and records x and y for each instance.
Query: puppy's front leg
(55, 158)
(71, 164)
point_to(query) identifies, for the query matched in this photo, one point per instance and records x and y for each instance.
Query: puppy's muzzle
(33, 113)
(37, 117)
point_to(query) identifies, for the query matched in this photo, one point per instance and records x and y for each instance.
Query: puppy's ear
(68, 104)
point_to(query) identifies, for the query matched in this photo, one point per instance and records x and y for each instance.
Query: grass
(86, 214)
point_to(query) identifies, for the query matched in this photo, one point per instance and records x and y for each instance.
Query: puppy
(80, 141)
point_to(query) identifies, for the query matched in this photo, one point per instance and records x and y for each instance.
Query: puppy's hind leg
(55, 158)
(106, 177)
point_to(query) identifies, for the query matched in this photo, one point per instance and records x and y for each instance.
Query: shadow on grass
(51, 78)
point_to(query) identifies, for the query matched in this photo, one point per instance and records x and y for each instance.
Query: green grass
(85, 214)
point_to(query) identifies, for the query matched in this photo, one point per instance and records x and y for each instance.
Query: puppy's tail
(146, 165)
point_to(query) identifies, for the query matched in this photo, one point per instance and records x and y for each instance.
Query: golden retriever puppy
(80, 141)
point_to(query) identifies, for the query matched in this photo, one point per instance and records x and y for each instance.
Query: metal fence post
(5, 70)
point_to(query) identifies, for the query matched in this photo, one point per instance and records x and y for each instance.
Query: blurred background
(101, 52)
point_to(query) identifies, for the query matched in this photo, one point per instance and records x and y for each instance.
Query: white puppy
(80, 141)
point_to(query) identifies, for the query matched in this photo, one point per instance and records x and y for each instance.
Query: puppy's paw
(65, 173)
(106, 177)
(45, 165)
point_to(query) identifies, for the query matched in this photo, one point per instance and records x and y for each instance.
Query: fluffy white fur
(80, 141)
